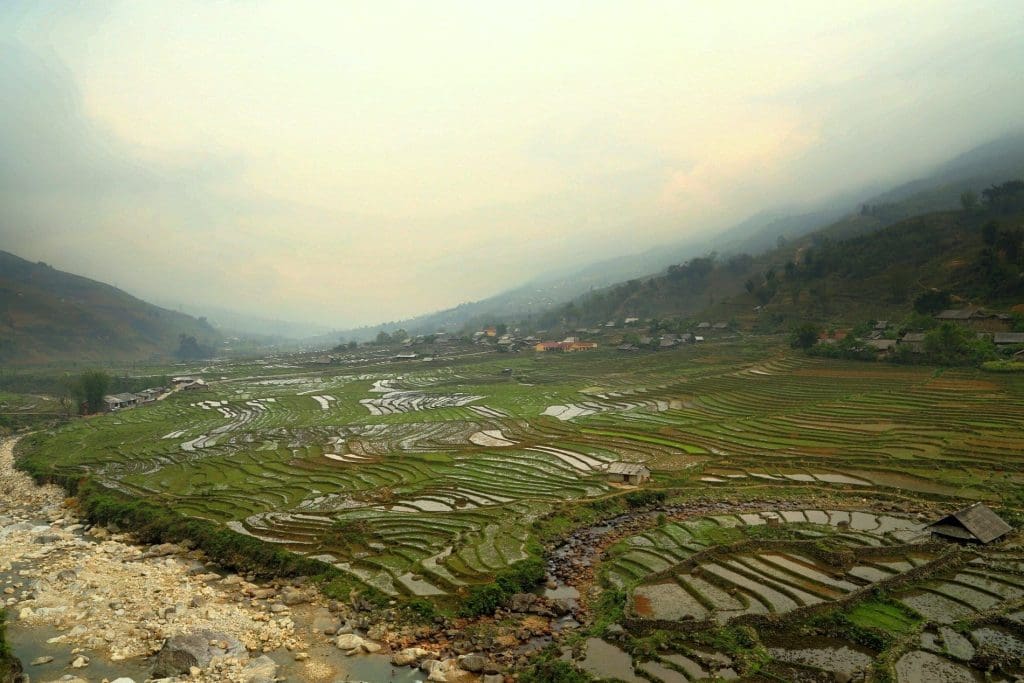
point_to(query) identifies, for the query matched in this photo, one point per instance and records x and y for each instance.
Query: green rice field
(443, 467)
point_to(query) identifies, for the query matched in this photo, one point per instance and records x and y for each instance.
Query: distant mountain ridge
(842, 216)
(47, 315)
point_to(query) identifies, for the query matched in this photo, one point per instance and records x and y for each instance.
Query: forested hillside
(48, 315)
(975, 254)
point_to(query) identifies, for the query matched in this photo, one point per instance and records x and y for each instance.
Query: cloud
(348, 164)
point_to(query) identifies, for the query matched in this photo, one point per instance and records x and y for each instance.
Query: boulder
(182, 652)
(492, 678)
(291, 596)
(349, 642)
(521, 602)
(163, 550)
(123, 679)
(473, 663)
(409, 655)
(66, 575)
(46, 539)
(260, 670)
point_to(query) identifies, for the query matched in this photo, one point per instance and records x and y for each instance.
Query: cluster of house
(567, 345)
(985, 324)
(662, 343)
(113, 402)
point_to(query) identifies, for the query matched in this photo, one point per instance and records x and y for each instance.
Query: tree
(92, 387)
(189, 348)
(383, 337)
(1006, 197)
(951, 344)
(804, 336)
(969, 200)
(989, 233)
(932, 301)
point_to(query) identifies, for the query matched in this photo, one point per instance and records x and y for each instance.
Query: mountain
(48, 315)
(845, 215)
(973, 254)
(236, 323)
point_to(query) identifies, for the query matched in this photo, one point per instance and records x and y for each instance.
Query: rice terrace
(425, 480)
(543, 342)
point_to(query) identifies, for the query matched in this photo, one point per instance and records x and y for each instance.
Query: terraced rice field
(676, 580)
(443, 466)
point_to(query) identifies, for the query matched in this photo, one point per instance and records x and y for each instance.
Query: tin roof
(977, 521)
(627, 468)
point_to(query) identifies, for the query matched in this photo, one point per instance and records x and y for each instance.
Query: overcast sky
(350, 163)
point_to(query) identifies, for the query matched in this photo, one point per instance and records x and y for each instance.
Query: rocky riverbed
(87, 603)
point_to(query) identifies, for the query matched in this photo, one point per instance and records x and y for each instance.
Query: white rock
(349, 641)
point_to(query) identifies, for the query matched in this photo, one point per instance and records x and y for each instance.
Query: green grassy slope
(48, 315)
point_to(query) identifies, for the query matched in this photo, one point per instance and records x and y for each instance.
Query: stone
(260, 670)
(492, 678)
(521, 602)
(371, 647)
(46, 539)
(67, 575)
(409, 655)
(38, 661)
(349, 641)
(182, 652)
(80, 662)
(163, 550)
(473, 663)
(123, 679)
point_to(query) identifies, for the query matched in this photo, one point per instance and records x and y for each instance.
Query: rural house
(915, 340)
(1008, 338)
(976, 318)
(882, 345)
(974, 524)
(628, 473)
(120, 401)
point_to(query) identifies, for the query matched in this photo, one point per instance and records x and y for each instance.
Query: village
(125, 400)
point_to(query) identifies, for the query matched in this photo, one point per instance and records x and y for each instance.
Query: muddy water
(663, 673)
(924, 667)
(830, 655)
(604, 660)
(29, 644)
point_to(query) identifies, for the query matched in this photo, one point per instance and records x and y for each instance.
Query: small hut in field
(974, 524)
(628, 473)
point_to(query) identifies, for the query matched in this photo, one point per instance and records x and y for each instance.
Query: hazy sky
(350, 162)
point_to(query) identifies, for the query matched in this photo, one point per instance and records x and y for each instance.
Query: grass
(412, 493)
(885, 616)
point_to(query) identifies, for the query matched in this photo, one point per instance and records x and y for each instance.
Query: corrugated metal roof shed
(627, 468)
(976, 522)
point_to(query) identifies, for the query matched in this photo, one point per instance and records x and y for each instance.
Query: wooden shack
(974, 524)
(628, 473)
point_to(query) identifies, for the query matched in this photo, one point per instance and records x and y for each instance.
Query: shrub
(422, 610)
(517, 578)
(637, 499)
(554, 671)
